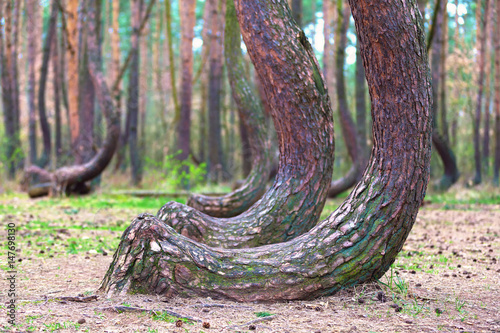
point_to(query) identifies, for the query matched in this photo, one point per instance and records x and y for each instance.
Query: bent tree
(356, 243)
(252, 116)
(303, 118)
(64, 178)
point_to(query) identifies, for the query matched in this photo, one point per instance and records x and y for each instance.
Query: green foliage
(263, 314)
(173, 174)
(60, 326)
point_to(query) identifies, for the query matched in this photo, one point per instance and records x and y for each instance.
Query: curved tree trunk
(63, 178)
(252, 115)
(305, 134)
(349, 132)
(44, 124)
(443, 149)
(361, 239)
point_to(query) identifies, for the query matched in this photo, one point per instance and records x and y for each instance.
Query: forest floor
(446, 279)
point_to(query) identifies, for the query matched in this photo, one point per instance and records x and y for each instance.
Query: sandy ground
(448, 273)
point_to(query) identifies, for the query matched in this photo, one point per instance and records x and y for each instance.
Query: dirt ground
(447, 279)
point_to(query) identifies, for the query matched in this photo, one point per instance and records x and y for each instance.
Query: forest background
(51, 116)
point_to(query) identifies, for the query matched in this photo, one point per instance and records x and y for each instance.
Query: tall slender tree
(133, 93)
(188, 20)
(216, 165)
(31, 9)
(72, 56)
(496, 170)
(479, 100)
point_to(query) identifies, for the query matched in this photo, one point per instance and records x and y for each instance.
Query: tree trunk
(251, 113)
(349, 132)
(44, 123)
(170, 43)
(57, 97)
(447, 156)
(496, 170)
(15, 84)
(63, 179)
(133, 94)
(72, 56)
(361, 107)
(86, 104)
(187, 19)
(479, 102)
(487, 90)
(306, 154)
(361, 239)
(216, 168)
(442, 93)
(31, 6)
(8, 108)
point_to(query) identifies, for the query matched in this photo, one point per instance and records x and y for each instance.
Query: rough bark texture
(479, 102)
(348, 128)
(251, 113)
(297, 11)
(64, 178)
(496, 170)
(187, 17)
(361, 239)
(56, 79)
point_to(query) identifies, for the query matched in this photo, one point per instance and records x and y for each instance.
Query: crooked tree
(360, 240)
(252, 115)
(64, 178)
(294, 202)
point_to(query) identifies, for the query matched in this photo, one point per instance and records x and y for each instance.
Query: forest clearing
(444, 280)
(250, 165)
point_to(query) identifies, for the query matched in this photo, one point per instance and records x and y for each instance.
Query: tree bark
(252, 115)
(348, 128)
(361, 239)
(64, 178)
(170, 43)
(187, 19)
(496, 170)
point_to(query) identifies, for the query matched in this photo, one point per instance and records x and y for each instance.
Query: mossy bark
(360, 240)
(252, 115)
(303, 118)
